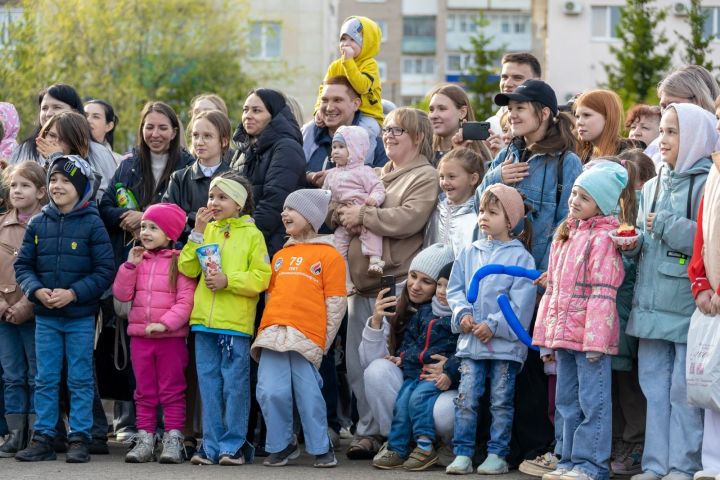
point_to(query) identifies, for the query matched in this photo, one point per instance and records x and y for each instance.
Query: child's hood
(372, 37)
(318, 240)
(357, 142)
(698, 136)
(85, 201)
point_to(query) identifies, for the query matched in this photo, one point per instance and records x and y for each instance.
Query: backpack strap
(689, 197)
(560, 174)
(657, 189)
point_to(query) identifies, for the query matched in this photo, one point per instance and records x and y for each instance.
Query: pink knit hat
(511, 201)
(169, 217)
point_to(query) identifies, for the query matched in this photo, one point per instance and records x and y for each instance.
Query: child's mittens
(155, 328)
(593, 357)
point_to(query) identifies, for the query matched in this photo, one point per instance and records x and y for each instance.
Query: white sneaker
(462, 465)
(555, 474)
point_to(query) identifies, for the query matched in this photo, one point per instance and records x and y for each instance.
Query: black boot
(17, 439)
(77, 450)
(40, 448)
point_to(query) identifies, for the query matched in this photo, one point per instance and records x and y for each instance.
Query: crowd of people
(522, 300)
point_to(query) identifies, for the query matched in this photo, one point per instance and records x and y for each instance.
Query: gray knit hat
(311, 203)
(432, 259)
(353, 28)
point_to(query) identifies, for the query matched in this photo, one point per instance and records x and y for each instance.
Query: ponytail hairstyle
(489, 199)
(559, 135)
(468, 159)
(627, 202)
(249, 207)
(645, 168)
(173, 272)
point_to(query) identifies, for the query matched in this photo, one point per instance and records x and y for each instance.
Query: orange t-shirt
(303, 276)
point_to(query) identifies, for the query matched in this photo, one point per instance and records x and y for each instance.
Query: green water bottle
(125, 197)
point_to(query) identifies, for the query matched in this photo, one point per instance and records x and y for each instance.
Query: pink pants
(371, 242)
(159, 365)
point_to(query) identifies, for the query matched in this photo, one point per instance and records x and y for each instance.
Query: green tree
(126, 52)
(639, 63)
(697, 45)
(483, 67)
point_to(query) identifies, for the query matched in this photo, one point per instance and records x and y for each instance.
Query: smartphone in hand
(388, 281)
(476, 130)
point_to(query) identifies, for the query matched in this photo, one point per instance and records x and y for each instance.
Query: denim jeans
(584, 400)
(17, 356)
(57, 338)
(224, 380)
(413, 415)
(674, 429)
(473, 373)
(282, 378)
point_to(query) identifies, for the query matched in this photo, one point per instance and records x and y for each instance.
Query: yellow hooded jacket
(244, 259)
(362, 71)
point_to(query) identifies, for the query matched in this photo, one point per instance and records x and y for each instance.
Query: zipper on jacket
(212, 303)
(427, 341)
(59, 242)
(149, 284)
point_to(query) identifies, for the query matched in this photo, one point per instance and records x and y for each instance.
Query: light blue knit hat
(604, 182)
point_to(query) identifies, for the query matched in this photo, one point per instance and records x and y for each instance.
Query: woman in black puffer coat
(270, 155)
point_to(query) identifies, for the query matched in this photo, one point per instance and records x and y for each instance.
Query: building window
(265, 40)
(458, 63)
(419, 65)
(418, 35)
(505, 24)
(605, 21)
(382, 67)
(383, 29)
(712, 23)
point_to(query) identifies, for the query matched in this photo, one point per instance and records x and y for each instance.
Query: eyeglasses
(393, 131)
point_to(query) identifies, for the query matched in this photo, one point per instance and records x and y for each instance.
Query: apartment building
(426, 39)
(580, 33)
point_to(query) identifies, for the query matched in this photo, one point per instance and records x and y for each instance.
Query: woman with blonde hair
(411, 190)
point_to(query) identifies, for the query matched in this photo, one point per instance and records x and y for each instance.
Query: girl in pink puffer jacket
(158, 324)
(577, 320)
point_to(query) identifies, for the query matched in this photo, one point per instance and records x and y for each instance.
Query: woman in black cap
(270, 155)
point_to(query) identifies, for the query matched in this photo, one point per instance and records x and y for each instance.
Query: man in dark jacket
(339, 106)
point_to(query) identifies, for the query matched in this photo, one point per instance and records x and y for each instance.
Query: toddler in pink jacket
(162, 300)
(354, 183)
(577, 321)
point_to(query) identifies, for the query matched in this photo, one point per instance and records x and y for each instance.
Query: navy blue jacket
(426, 335)
(70, 251)
(129, 173)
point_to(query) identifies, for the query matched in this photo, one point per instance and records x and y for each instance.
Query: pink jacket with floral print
(579, 311)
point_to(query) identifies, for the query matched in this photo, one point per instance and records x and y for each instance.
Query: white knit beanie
(431, 260)
(311, 203)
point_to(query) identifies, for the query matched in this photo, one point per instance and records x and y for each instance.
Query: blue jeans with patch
(674, 429)
(17, 356)
(473, 373)
(413, 415)
(584, 400)
(58, 338)
(224, 379)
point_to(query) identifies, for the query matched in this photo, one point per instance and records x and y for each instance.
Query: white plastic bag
(702, 366)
